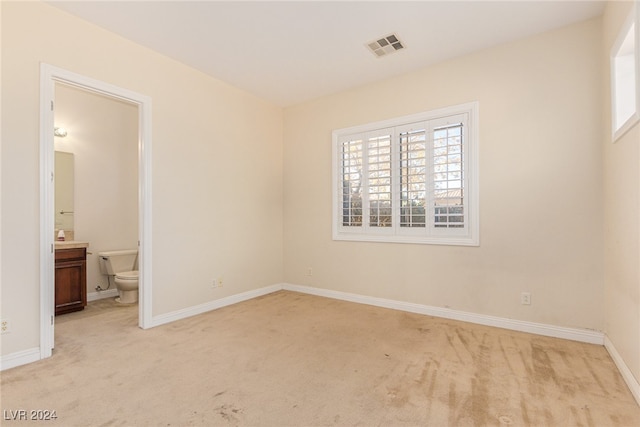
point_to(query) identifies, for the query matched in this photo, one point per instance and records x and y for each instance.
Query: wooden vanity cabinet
(71, 280)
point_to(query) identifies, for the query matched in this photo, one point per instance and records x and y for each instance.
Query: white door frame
(49, 75)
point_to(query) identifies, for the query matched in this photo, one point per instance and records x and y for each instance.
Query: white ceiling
(291, 51)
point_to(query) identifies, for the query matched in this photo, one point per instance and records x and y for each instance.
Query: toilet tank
(114, 262)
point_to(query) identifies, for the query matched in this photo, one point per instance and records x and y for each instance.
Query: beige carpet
(289, 359)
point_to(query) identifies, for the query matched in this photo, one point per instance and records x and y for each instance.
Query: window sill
(626, 127)
(420, 240)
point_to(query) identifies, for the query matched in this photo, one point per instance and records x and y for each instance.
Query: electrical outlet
(217, 283)
(4, 327)
(525, 298)
(309, 271)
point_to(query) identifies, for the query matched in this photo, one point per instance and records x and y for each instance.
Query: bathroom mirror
(64, 191)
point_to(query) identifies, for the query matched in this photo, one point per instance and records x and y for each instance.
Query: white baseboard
(212, 305)
(592, 337)
(109, 293)
(19, 358)
(626, 373)
(587, 336)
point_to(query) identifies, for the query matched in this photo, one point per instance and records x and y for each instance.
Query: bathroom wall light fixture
(59, 132)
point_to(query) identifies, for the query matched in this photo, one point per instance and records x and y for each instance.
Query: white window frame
(620, 85)
(465, 236)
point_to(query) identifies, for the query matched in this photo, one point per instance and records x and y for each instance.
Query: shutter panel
(413, 146)
(351, 152)
(448, 174)
(379, 181)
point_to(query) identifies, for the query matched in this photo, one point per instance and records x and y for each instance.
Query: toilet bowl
(121, 267)
(127, 285)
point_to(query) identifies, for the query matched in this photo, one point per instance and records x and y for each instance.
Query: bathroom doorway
(137, 192)
(96, 149)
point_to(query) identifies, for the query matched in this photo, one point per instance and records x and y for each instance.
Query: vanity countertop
(70, 244)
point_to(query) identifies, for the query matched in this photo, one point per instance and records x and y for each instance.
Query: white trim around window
(625, 75)
(412, 179)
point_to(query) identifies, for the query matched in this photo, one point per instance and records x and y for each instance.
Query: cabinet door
(71, 285)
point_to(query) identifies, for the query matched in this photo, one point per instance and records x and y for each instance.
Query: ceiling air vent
(385, 45)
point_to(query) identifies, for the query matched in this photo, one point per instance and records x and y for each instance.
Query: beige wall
(103, 135)
(540, 185)
(622, 216)
(216, 167)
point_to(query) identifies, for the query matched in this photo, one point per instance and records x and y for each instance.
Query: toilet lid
(128, 275)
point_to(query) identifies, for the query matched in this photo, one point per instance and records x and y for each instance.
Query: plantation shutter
(413, 155)
(448, 207)
(379, 180)
(409, 180)
(351, 168)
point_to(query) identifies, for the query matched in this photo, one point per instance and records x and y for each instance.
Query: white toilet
(123, 266)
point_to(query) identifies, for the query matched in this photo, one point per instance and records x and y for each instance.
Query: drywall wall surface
(621, 215)
(216, 167)
(540, 185)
